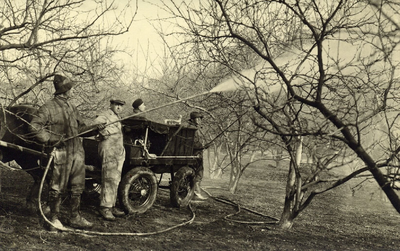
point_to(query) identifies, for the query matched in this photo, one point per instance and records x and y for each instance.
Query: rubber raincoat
(56, 120)
(112, 153)
(198, 147)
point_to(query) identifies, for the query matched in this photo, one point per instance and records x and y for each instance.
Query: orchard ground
(337, 220)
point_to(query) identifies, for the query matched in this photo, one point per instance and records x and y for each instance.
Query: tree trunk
(233, 187)
(293, 195)
(365, 157)
(235, 175)
(286, 220)
(253, 155)
(209, 162)
(217, 174)
(278, 157)
(215, 166)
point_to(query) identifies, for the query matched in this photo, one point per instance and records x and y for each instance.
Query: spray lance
(231, 84)
(224, 86)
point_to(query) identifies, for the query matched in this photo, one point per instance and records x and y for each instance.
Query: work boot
(107, 213)
(54, 204)
(56, 225)
(76, 220)
(79, 222)
(197, 192)
(117, 212)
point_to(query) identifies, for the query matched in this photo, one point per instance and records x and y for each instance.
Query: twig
(229, 202)
(245, 222)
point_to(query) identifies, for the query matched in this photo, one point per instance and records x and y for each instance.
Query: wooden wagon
(151, 148)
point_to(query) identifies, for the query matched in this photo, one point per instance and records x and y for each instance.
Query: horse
(18, 144)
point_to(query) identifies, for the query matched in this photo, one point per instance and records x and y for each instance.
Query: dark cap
(62, 84)
(194, 115)
(137, 103)
(117, 102)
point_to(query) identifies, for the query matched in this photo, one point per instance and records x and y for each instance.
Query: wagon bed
(151, 148)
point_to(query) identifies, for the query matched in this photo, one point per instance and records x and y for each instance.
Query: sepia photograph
(199, 125)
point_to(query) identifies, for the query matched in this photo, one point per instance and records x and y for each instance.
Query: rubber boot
(197, 192)
(76, 220)
(117, 212)
(54, 204)
(107, 213)
(32, 200)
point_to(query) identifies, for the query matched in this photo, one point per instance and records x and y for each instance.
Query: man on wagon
(57, 120)
(138, 106)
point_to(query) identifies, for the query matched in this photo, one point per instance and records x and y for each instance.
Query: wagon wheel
(91, 193)
(182, 187)
(92, 188)
(138, 190)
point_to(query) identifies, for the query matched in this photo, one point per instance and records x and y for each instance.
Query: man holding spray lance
(198, 147)
(57, 125)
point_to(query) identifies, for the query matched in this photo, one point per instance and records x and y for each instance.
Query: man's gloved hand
(101, 126)
(92, 130)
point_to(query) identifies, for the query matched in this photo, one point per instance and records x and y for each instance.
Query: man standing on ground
(198, 147)
(57, 120)
(112, 154)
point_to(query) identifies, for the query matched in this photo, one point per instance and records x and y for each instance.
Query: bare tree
(189, 69)
(336, 63)
(41, 38)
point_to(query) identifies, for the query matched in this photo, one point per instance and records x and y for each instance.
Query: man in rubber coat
(112, 153)
(55, 121)
(198, 147)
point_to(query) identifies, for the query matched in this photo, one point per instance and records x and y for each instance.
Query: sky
(141, 42)
(142, 39)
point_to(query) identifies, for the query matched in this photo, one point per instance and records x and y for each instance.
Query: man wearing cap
(138, 107)
(57, 120)
(112, 152)
(198, 147)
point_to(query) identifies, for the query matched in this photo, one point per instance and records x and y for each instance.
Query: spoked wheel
(138, 190)
(182, 187)
(91, 193)
(92, 188)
